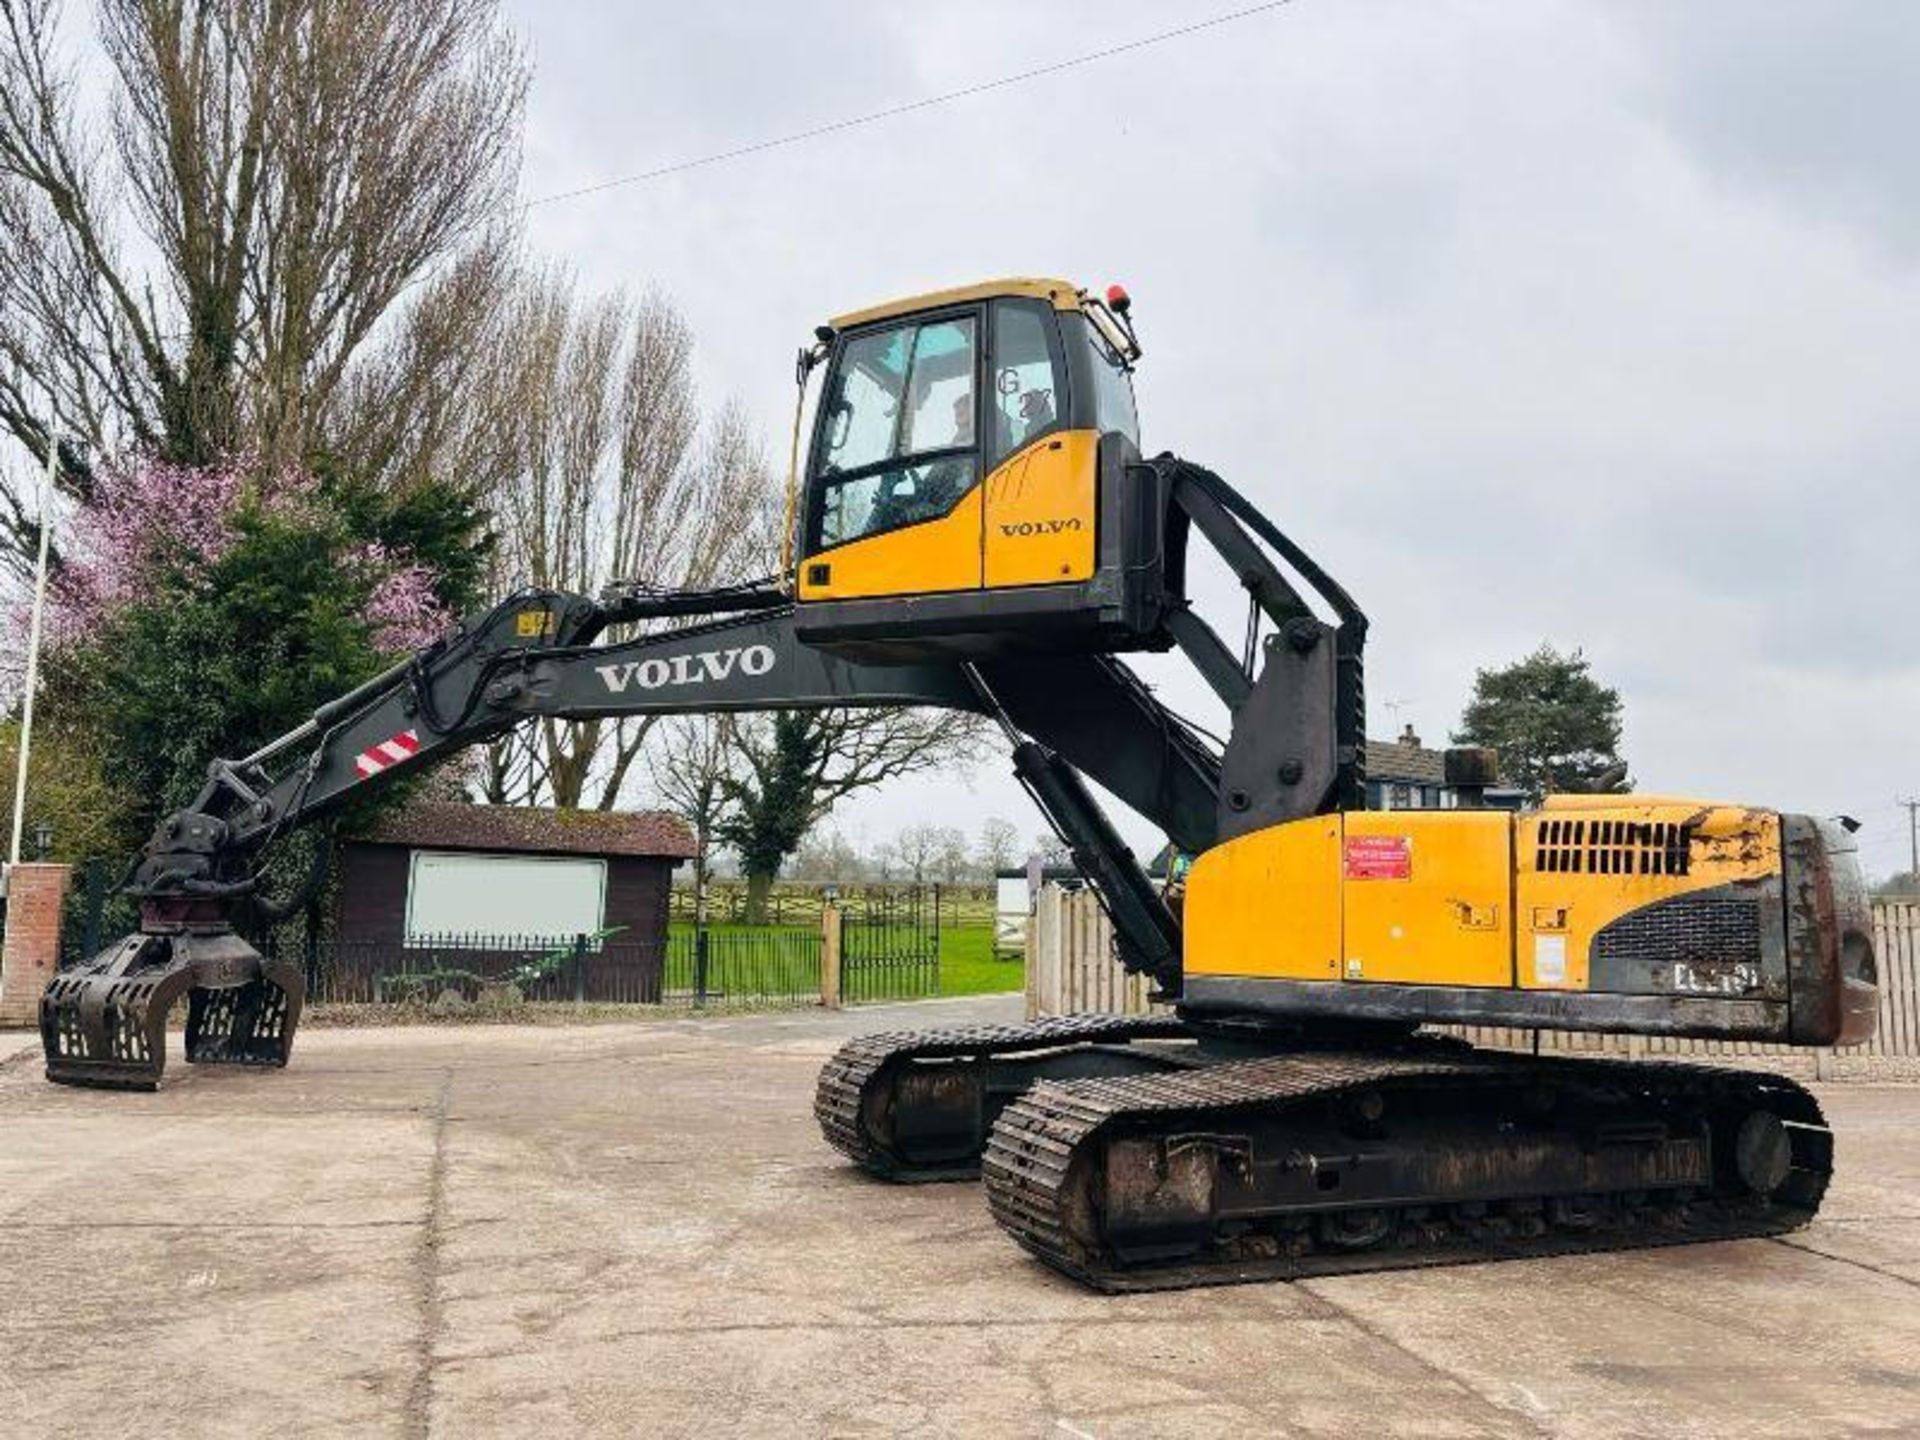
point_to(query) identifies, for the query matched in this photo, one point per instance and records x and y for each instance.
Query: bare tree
(828, 858)
(692, 759)
(422, 404)
(915, 851)
(925, 852)
(796, 766)
(1052, 850)
(209, 262)
(998, 847)
(613, 476)
(951, 861)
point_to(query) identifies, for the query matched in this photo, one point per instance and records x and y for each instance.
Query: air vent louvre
(1612, 847)
(1704, 931)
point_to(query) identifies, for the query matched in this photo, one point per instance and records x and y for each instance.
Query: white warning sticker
(1549, 959)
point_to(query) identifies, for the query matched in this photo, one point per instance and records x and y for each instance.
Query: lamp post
(33, 648)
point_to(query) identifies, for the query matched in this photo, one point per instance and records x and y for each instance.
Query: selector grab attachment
(104, 1023)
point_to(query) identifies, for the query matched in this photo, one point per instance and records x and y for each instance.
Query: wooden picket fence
(1071, 970)
(1070, 964)
(1896, 946)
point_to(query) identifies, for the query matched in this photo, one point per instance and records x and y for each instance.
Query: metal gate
(890, 945)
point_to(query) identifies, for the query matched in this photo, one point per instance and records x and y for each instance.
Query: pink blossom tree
(202, 610)
(149, 522)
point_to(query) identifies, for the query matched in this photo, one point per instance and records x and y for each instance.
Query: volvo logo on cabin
(1042, 527)
(669, 672)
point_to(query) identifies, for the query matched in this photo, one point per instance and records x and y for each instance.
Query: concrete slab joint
(31, 954)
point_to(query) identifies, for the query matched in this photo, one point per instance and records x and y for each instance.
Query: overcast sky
(1592, 323)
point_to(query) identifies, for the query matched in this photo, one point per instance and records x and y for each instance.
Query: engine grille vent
(1696, 930)
(1612, 847)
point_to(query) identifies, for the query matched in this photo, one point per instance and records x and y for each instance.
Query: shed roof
(447, 825)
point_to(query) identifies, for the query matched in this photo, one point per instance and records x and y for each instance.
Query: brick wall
(32, 949)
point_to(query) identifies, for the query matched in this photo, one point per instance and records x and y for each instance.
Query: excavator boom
(542, 653)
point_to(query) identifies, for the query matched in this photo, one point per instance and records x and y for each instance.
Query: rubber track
(1029, 1160)
(869, 1061)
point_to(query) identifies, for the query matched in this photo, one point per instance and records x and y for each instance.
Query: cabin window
(1026, 398)
(897, 441)
(1112, 388)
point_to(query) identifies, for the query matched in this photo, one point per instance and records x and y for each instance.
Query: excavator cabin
(967, 490)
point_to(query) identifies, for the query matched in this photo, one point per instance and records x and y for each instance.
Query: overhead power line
(874, 117)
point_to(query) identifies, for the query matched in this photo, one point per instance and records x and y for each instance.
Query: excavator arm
(534, 654)
(531, 655)
(1069, 716)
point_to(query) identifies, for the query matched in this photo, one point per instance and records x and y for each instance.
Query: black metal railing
(692, 968)
(890, 950)
(890, 945)
(609, 969)
(745, 966)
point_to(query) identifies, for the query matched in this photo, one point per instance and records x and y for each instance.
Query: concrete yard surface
(635, 1229)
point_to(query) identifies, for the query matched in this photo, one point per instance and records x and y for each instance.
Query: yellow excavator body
(1467, 897)
(1593, 912)
(1032, 522)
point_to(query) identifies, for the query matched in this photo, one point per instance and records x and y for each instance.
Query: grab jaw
(104, 1023)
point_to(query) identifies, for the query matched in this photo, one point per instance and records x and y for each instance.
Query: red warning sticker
(1378, 857)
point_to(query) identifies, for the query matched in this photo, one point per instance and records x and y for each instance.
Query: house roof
(1397, 762)
(447, 825)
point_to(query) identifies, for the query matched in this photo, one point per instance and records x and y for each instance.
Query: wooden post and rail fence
(1071, 969)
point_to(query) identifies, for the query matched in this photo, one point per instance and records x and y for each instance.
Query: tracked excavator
(976, 527)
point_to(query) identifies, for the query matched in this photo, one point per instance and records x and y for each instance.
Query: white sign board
(538, 896)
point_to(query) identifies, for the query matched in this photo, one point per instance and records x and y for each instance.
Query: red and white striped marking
(388, 752)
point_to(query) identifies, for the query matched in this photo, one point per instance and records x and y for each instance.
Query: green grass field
(767, 960)
(967, 965)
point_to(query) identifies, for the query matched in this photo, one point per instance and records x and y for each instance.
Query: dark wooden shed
(436, 869)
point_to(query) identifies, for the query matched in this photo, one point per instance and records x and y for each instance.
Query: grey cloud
(1813, 105)
(1533, 322)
